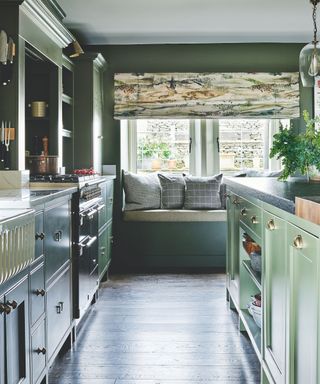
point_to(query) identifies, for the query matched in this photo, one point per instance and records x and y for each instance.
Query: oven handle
(88, 241)
(89, 213)
(101, 206)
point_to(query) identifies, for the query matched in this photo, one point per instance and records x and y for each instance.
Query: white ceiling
(189, 21)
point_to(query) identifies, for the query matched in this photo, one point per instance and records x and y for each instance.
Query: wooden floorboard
(160, 329)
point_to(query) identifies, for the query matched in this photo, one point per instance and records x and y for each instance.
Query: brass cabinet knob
(271, 225)
(40, 236)
(298, 242)
(235, 201)
(13, 304)
(254, 220)
(5, 309)
(40, 292)
(243, 212)
(42, 351)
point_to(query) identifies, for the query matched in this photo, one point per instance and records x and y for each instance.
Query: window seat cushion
(175, 215)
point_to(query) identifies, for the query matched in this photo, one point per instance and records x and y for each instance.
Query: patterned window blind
(206, 95)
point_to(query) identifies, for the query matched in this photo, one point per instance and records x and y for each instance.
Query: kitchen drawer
(38, 351)
(104, 244)
(39, 234)
(57, 238)
(58, 310)
(251, 215)
(37, 293)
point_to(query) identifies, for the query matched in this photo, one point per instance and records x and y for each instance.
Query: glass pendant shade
(309, 64)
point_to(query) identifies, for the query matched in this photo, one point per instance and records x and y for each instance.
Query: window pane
(162, 145)
(243, 144)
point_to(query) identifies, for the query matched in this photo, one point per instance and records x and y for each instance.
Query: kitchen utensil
(7, 143)
(7, 71)
(3, 47)
(41, 165)
(2, 147)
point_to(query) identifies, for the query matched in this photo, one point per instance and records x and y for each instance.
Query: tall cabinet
(88, 110)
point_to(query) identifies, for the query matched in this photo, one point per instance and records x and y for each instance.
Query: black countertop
(270, 190)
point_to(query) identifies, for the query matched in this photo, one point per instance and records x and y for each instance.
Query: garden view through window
(163, 145)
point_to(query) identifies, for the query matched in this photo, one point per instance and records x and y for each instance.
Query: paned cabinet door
(275, 292)
(303, 252)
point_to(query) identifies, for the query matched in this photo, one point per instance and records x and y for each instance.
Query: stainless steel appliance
(87, 202)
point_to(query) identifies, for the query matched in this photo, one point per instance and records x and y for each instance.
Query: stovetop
(69, 178)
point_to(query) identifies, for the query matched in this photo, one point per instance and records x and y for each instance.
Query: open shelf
(253, 331)
(255, 276)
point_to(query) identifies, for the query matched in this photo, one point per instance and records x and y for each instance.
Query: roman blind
(206, 95)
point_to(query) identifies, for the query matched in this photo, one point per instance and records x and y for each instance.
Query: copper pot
(42, 165)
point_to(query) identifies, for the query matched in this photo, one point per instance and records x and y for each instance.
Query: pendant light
(309, 61)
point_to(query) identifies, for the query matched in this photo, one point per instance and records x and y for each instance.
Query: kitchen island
(285, 329)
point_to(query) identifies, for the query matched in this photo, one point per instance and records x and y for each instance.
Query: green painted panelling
(184, 58)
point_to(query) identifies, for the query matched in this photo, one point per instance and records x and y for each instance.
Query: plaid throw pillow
(202, 192)
(141, 191)
(172, 191)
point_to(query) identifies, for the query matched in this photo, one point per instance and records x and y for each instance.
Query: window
(199, 147)
(162, 145)
(245, 144)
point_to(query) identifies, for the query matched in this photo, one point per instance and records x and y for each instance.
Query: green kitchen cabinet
(233, 263)
(88, 110)
(2, 344)
(275, 290)
(17, 333)
(105, 250)
(303, 253)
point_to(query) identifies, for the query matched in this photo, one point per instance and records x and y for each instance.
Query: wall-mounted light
(74, 49)
(309, 61)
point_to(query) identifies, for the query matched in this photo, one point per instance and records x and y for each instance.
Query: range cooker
(87, 202)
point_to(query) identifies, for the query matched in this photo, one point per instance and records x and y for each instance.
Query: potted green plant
(298, 152)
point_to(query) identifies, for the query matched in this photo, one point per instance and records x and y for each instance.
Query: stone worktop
(30, 197)
(280, 194)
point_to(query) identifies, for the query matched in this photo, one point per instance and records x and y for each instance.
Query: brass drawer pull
(13, 304)
(271, 225)
(41, 350)
(243, 212)
(254, 220)
(40, 236)
(5, 309)
(40, 292)
(235, 202)
(298, 242)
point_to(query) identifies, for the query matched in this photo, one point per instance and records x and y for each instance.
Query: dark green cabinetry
(37, 293)
(38, 351)
(58, 310)
(88, 109)
(17, 333)
(2, 344)
(57, 224)
(105, 240)
(39, 234)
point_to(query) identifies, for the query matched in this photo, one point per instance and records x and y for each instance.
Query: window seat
(175, 215)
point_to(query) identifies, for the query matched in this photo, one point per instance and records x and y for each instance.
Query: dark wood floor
(160, 329)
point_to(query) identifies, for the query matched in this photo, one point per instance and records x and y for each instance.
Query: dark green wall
(184, 58)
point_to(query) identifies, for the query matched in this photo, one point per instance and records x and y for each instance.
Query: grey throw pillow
(202, 192)
(141, 191)
(172, 191)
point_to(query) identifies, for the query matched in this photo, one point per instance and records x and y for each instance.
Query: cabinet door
(17, 334)
(275, 295)
(57, 238)
(105, 250)
(304, 296)
(37, 293)
(109, 200)
(38, 351)
(58, 311)
(233, 266)
(2, 346)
